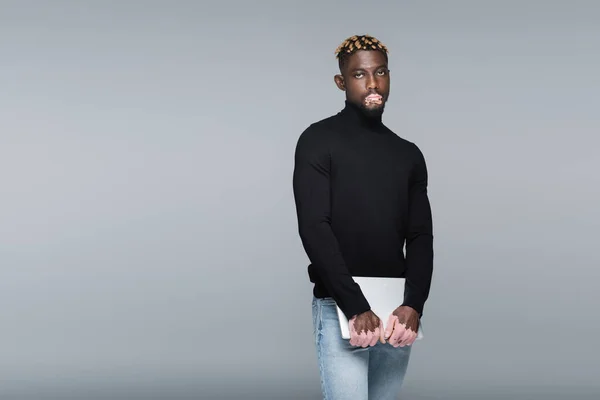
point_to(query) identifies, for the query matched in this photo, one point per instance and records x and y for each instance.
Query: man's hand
(366, 329)
(402, 326)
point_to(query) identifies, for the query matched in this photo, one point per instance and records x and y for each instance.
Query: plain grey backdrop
(148, 240)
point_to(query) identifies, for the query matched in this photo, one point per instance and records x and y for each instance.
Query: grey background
(148, 242)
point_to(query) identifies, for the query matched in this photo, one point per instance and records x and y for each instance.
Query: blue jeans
(355, 373)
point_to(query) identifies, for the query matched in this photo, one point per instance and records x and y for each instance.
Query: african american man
(363, 210)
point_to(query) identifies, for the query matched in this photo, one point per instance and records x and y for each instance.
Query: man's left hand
(402, 326)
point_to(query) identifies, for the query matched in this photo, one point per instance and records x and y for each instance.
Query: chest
(374, 161)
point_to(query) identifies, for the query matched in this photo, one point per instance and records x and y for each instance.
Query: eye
(358, 74)
(382, 72)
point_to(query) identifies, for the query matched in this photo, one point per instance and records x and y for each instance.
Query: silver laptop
(384, 295)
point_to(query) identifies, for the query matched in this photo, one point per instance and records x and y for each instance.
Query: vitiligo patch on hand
(397, 334)
(364, 338)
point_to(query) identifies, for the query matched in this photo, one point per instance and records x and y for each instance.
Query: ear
(339, 81)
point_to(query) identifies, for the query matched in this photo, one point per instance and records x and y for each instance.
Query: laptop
(384, 295)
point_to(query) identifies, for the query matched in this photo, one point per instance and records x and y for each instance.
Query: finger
(405, 337)
(381, 332)
(352, 333)
(399, 330)
(374, 337)
(364, 339)
(354, 339)
(408, 335)
(390, 326)
(411, 340)
(359, 337)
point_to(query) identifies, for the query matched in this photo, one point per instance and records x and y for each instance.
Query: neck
(356, 115)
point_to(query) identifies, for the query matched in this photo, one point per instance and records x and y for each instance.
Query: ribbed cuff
(355, 307)
(414, 300)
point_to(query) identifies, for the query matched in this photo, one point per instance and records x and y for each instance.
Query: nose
(371, 82)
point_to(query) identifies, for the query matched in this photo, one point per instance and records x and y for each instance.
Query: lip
(374, 99)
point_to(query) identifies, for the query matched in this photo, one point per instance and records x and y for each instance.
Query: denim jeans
(355, 373)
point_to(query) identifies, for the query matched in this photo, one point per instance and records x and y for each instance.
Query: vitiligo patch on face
(373, 99)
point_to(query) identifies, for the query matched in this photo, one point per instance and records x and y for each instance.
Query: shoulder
(323, 127)
(415, 150)
(318, 135)
(411, 149)
(419, 165)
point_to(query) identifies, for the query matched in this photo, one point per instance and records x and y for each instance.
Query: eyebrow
(362, 68)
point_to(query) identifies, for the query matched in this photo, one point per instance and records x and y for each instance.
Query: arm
(311, 184)
(419, 239)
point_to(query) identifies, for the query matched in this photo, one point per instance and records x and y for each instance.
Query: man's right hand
(366, 329)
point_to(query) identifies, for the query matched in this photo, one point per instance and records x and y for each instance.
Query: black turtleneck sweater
(361, 195)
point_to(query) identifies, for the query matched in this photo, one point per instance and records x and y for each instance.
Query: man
(361, 196)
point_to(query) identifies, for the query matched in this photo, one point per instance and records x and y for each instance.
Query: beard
(372, 111)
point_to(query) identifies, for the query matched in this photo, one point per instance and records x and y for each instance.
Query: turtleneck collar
(354, 115)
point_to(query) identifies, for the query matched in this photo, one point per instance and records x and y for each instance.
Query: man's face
(366, 81)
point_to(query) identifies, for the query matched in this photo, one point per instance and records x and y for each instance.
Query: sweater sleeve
(419, 239)
(311, 186)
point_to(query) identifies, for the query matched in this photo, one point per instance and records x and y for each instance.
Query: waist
(320, 290)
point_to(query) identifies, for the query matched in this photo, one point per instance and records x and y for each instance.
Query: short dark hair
(355, 43)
